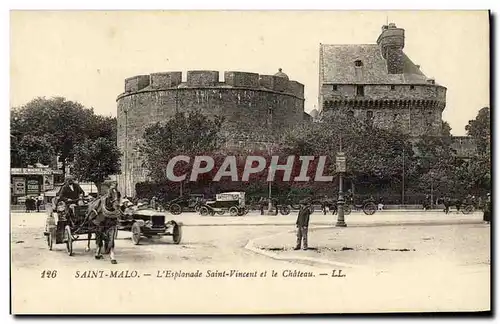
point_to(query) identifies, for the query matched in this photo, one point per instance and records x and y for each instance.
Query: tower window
(412, 87)
(393, 87)
(360, 91)
(269, 111)
(334, 87)
(358, 63)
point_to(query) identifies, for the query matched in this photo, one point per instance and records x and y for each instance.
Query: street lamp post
(270, 201)
(432, 190)
(341, 168)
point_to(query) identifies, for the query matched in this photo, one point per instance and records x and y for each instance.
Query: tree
(479, 129)
(31, 150)
(436, 164)
(95, 160)
(62, 123)
(445, 128)
(184, 134)
(476, 173)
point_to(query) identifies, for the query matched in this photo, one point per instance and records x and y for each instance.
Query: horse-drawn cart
(149, 223)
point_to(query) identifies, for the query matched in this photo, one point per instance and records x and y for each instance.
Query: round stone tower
(392, 42)
(255, 108)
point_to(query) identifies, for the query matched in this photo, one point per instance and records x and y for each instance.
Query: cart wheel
(177, 233)
(347, 209)
(175, 209)
(69, 242)
(369, 209)
(285, 210)
(136, 233)
(204, 211)
(233, 211)
(220, 212)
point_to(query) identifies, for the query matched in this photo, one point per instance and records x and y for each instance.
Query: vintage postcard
(250, 162)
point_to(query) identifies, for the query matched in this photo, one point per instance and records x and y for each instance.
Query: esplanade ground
(444, 264)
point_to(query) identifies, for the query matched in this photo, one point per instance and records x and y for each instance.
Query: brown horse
(104, 213)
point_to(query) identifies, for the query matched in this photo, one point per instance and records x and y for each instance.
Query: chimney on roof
(392, 42)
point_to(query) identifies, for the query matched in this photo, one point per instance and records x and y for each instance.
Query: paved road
(210, 249)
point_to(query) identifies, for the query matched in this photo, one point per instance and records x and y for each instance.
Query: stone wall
(414, 109)
(385, 92)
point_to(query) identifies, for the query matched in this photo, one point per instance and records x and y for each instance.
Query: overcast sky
(85, 56)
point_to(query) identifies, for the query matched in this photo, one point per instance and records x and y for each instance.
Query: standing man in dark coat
(262, 203)
(70, 191)
(303, 225)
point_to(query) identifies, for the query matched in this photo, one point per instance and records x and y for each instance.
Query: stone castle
(255, 108)
(379, 84)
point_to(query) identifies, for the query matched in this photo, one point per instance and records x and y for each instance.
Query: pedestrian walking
(39, 202)
(27, 204)
(261, 205)
(303, 225)
(324, 204)
(427, 202)
(458, 204)
(447, 203)
(479, 203)
(33, 203)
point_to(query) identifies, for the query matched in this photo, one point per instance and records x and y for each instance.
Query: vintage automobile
(233, 202)
(149, 223)
(185, 203)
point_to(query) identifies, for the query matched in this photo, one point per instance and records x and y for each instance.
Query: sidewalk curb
(332, 224)
(251, 247)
